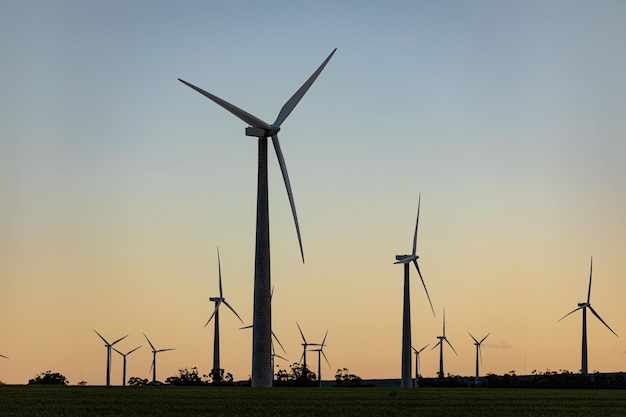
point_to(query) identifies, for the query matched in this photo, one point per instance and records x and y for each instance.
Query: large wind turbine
(124, 355)
(109, 346)
(262, 374)
(320, 353)
(216, 313)
(583, 307)
(478, 352)
(417, 364)
(154, 353)
(440, 344)
(406, 381)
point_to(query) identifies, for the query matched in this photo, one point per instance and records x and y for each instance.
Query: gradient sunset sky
(118, 183)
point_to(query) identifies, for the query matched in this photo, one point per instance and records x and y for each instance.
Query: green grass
(213, 401)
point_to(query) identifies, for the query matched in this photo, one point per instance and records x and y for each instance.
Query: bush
(49, 378)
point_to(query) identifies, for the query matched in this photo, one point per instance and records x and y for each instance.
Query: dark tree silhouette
(49, 378)
(135, 381)
(343, 378)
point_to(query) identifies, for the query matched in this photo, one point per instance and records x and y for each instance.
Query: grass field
(36, 401)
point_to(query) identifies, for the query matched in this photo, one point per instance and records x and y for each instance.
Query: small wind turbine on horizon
(305, 345)
(406, 381)
(262, 372)
(154, 353)
(583, 307)
(320, 353)
(440, 344)
(109, 346)
(216, 313)
(478, 352)
(417, 363)
(124, 355)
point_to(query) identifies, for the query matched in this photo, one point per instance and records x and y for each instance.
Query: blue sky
(117, 182)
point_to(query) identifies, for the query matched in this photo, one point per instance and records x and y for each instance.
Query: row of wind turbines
(406, 381)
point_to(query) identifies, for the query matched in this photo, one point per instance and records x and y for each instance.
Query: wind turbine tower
(109, 346)
(124, 355)
(216, 313)
(583, 307)
(417, 364)
(154, 353)
(262, 372)
(478, 352)
(406, 381)
(440, 344)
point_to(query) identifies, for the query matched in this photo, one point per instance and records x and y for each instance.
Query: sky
(118, 183)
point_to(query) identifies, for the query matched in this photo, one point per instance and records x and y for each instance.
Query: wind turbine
(406, 309)
(320, 353)
(583, 307)
(305, 345)
(440, 344)
(154, 353)
(262, 374)
(216, 313)
(417, 364)
(479, 352)
(124, 356)
(109, 346)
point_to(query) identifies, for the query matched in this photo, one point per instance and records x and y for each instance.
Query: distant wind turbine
(216, 313)
(440, 344)
(109, 346)
(154, 353)
(320, 353)
(417, 364)
(262, 372)
(583, 307)
(478, 352)
(124, 355)
(305, 345)
(406, 381)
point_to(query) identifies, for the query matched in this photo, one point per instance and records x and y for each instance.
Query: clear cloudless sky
(118, 183)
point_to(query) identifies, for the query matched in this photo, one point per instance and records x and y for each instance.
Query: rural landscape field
(215, 401)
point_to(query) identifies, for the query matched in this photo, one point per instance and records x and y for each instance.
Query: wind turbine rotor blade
(280, 357)
(420, 351)
(151, 345)
(283, 169)
(590, 272)
(134, 350)
(483, 339)
(121, 338)
(105, 341)
(278, 341)
(301, 334)
(245, 327)
(241, 114)
(438, 343)
(219, 272)
(600, 318)
(450, 344)
(217, 306)
(5, 357)
(233, 310)
(444, 322)
(151, 365)
(325, 358)
(424, 284)
(416, 224)
(480, 354)
(117, 351)
(288, 107)
(472, 337)
(324, 340)
(165, 350)
(574, 310)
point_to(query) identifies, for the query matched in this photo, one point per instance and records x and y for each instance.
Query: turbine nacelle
(259, 132)
(405, 259)
(583, 305)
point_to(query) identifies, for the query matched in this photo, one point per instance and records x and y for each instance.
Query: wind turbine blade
(283, 169)
(272, 294)
(105, 341)
(438, 343)
(472, 337)
(450, 344)
(5, 357)
(420, 351)
(241, 114)
(134, 350)
(416, 224)
(295, 99)
(424, 284)
(444, 322)
(217, 306)
(574, 310)
(480, 354)
(245, 327)
(121, 338)
(278, 356)
(233, 310)
(324, 340)
(483, 339)
(152, 364)
(165, 350)
(278, 341)
(414, 350)
(324, 355)
(589, 291)
(600, 318)
(117, 351)
(301, 334)
(219, 271)
(151, 345)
